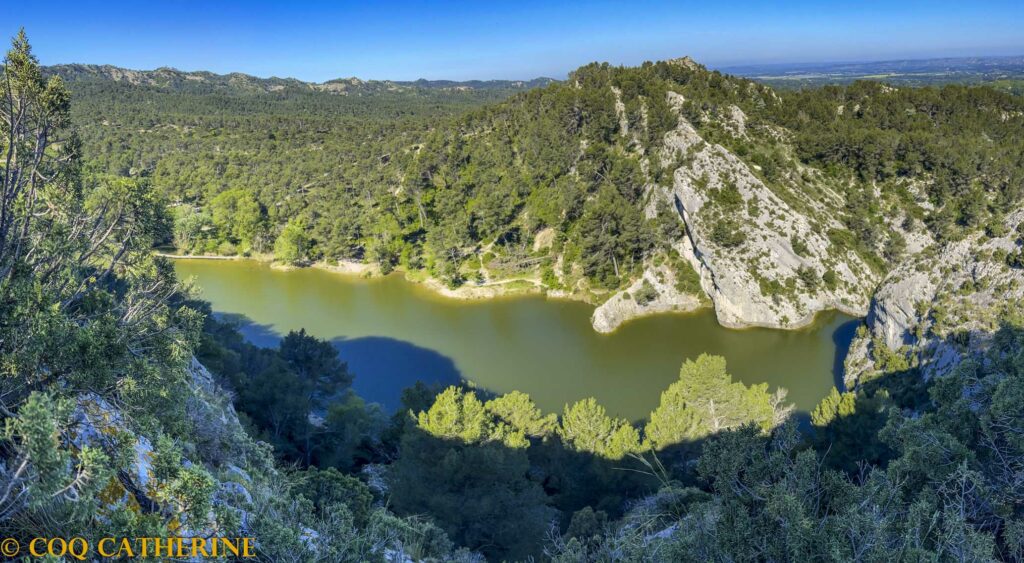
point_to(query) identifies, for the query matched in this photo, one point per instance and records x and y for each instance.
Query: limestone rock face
(941, 303)
(759, 278)
(218, 437)
(891, 316)
(96, 419)
(629, 303)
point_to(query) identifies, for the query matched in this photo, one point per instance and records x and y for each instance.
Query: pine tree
(293, 244)
(456, 414)
(705, 401)
(586, 427)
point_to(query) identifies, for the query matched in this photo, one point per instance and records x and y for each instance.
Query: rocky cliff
(940, 303)
(219, 444)
(655, 292)
(762, 252)
(776, 268)
(248, 490)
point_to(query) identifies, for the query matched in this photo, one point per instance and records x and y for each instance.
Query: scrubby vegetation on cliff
(781, 204)
(113, 425)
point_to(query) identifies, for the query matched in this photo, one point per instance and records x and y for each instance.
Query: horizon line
(541, 77)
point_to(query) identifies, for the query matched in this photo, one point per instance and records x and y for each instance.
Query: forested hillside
(662, 187)
(129, 410)
(111, 428)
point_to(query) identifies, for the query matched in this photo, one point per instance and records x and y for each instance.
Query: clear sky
(404, 40)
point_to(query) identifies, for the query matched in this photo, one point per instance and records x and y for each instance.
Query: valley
(645, 313)
(661, 188)
(393, 333)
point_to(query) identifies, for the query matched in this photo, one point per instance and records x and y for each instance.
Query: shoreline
(495, 289)
(197, 256)
(466, 292)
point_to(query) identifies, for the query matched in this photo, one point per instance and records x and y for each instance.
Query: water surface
(393, 332)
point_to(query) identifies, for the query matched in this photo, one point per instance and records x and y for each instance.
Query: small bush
(830, 279)
(808, 277)
(646, 293)
(726, 234)
(799, 246)
(1015, 259)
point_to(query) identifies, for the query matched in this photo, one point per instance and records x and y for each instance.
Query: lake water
(393, 332)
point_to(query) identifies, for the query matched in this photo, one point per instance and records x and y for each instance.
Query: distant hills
(201, 82)
(1006, 73)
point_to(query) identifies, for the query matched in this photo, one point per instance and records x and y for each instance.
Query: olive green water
(393, 332)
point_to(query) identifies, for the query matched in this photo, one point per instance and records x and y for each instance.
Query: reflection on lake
(392, 332)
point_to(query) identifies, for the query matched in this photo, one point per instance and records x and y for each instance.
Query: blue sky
(405, 40)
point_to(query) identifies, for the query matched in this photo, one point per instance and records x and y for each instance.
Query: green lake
(392, 332)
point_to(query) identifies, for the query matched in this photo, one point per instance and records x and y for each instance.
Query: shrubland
(129, 410)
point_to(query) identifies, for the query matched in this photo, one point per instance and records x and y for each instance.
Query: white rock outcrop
(757, 282)
(941, 303)
(624, 305)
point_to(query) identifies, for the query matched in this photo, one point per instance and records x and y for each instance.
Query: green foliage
(887, 359)
(1015, 259)
(191, 228)
(87, 322)
(40, 432)
(456, 415)
(646, 293)
(94, 343)
(957, 135)
(329, 487)
(613, 238)
(426, 178)
(511, 419)
(190, 494)
(293, 244)
(830, 279)
(515, 412)
(549, 278)
(846, 426)
(808, 277)
(478, 493)
(91, 325)
(240, 219)
(845, 240)
(277, 389)
(441, 179)
(835, 406)
(668, 226)
(728, 196)
(687, 279)
(586, 427)
(727, 234)
(923, 483)
(587, 524)
(705, 400)
(316, 363)
(799, 246)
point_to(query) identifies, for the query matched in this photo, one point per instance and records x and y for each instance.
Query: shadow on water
(842, 337)
(257, 334)
(382, 366)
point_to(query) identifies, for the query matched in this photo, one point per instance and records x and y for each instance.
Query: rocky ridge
(246, 479)
(935, 305)
(940, 304)
(777, 268)
(174, 79)
(736, 278)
